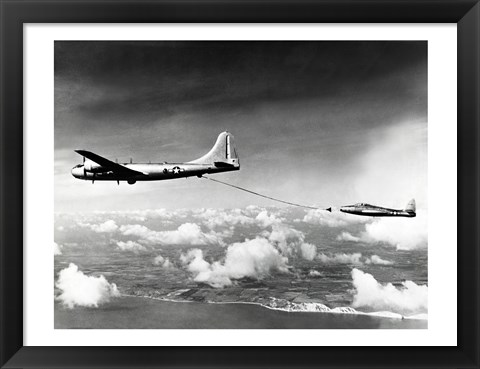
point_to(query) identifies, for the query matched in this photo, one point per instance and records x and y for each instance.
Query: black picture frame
(15, 13)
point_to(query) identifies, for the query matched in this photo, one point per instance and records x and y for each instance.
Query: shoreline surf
(312, 307)
(127, 312)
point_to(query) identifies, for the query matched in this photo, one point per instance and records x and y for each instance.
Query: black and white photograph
(240, 185)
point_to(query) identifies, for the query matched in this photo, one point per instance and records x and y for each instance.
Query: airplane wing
(114, 167)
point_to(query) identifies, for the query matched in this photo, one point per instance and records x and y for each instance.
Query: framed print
(230, 185)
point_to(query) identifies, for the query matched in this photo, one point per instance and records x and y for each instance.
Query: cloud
(214, 274)
(253, 208)
(141, 215)
(356, 259)
(186, 234)
(377, 260)
(345, 236)
(314, 273)
(146, 214)
(78, 289)
(340, 258)
(332, 219)
(266, 220)
(255, 258)
(57, 249)
(308, 251)
(163, 262)
(219, 217)
(131, 246)
(410, 298)
(402, 233)
(288, 240)
(105, 227)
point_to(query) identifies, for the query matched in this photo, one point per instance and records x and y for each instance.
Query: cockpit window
(78, 166)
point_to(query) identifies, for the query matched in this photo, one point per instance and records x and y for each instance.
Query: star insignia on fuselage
(176, 170)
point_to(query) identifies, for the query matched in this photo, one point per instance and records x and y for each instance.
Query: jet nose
(346, 209)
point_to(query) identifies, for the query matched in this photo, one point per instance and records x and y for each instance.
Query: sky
(321, 123)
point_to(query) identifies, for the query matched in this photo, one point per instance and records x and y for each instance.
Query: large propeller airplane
(221, 158)
(378, 211)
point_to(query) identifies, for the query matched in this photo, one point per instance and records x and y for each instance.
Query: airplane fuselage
(376, 211)
(153, 171)
(222, 157)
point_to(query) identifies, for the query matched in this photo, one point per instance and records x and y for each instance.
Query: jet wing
(114, 167)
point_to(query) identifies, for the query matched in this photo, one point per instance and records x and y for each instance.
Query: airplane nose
(77, 172)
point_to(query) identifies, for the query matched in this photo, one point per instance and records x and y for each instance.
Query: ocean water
(132, 313)
(289, 267)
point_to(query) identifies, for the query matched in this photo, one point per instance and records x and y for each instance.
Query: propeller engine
(92, 167)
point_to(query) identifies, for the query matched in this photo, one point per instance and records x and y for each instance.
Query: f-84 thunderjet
(221, 158)
(377, 211)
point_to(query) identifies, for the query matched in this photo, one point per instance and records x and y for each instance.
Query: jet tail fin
(411, 206)
(222, 154)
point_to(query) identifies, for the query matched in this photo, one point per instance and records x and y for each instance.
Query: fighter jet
(377, 211)
(221, 158)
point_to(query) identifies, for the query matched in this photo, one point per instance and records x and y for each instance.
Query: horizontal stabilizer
(221, 164)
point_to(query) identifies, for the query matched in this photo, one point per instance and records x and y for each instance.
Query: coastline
(129, 312)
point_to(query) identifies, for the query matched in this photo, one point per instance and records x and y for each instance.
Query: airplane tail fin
(411, 207)
(222, 154)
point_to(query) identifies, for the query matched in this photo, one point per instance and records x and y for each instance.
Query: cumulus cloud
(377, 260)
(214, 274)
(340, 258)
(265, 219)
(186, 234)
(131, 246)
(308, 251)
(285, 238)
(79, 289)
(255, 258)
(355, 259)
(314, 273)
(345, 236)
(163, 262)
(105, 227)
(220, 217)
(253, 208)
(331, 219)
(288, 240)
(57, 249)
(143, 215)
(402, 233)
(410, 298)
